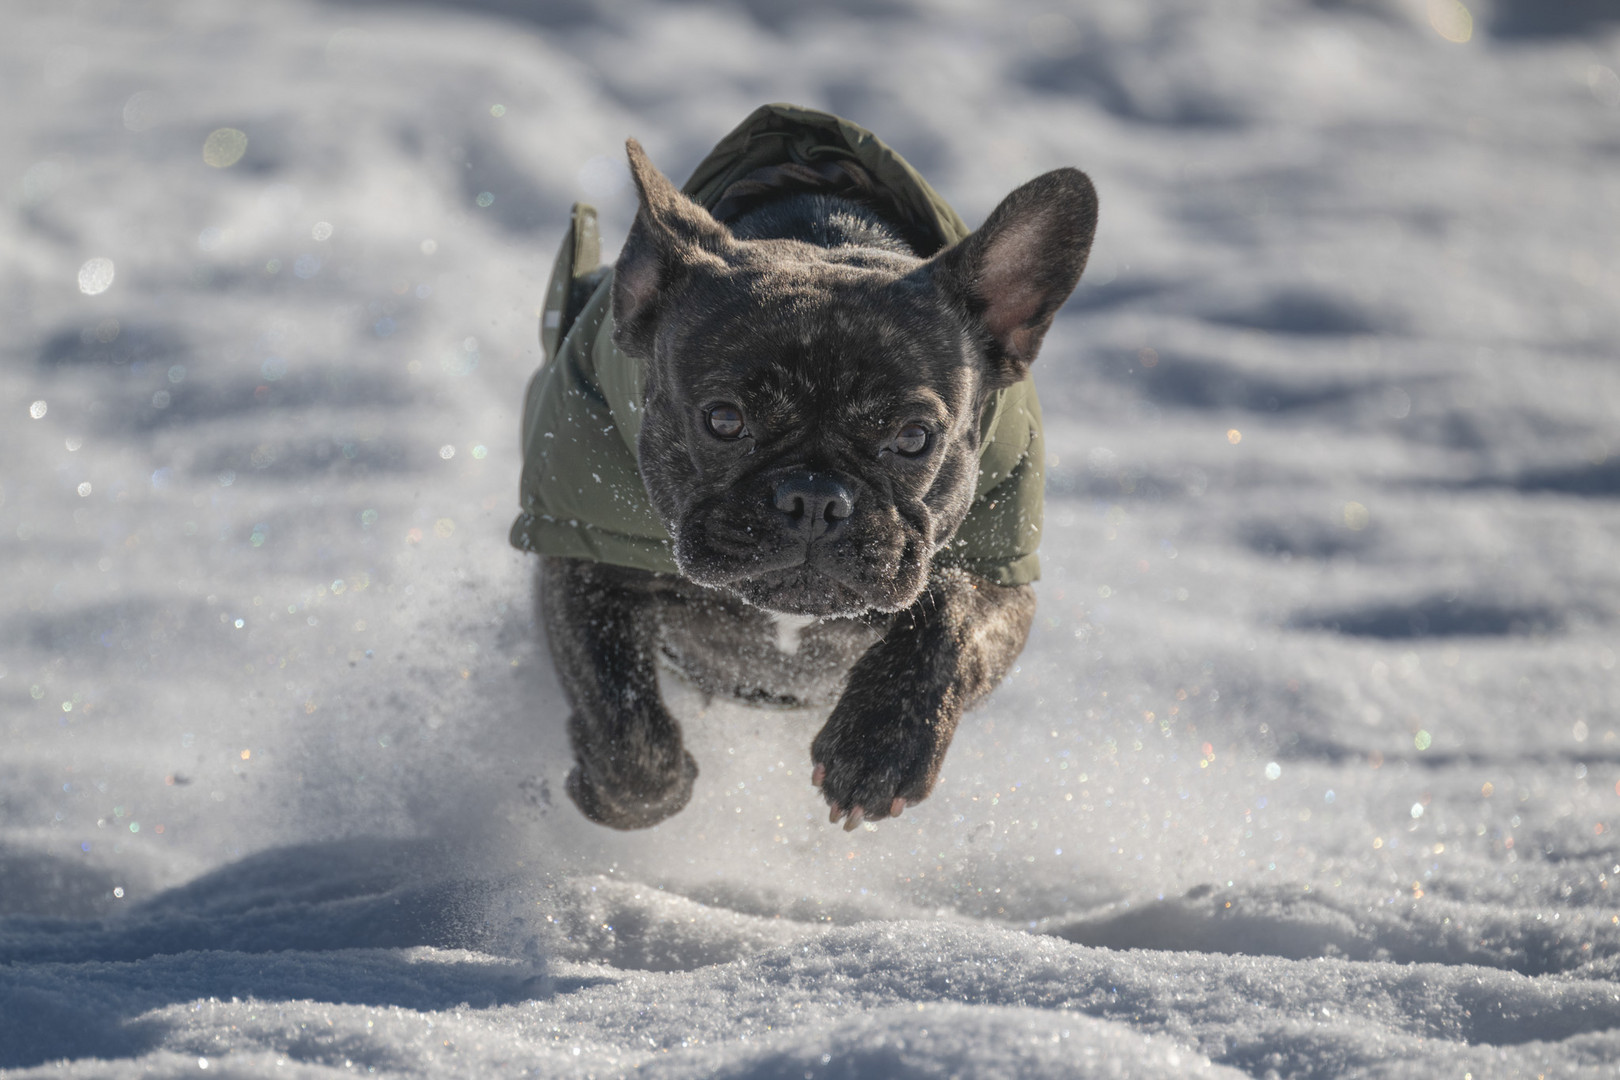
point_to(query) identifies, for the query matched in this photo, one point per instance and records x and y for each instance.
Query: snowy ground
(1312, 766)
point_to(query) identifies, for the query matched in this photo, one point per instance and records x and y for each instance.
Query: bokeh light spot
(224, 147)
(141, 111)
(1451, 20)
(1604, 84)
(96, 276)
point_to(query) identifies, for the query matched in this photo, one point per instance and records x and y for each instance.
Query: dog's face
(811, 434)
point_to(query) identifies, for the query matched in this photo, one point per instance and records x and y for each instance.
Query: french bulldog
(810, 440)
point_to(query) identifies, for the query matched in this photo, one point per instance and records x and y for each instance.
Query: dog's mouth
(824, 580)
(800, 590)
(796, 586)
(872, 561)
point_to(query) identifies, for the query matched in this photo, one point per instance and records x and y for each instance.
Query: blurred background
(1331, 577)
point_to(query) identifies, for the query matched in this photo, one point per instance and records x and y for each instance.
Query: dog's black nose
(814, 504)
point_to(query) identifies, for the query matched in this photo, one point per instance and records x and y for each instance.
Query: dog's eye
(725, 421)
(912, 440)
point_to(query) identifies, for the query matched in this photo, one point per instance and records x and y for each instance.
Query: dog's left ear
(1015, 271)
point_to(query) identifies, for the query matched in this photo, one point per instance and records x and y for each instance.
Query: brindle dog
(810, 440)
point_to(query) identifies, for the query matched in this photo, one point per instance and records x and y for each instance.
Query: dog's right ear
(1014, 272)
(671, 237)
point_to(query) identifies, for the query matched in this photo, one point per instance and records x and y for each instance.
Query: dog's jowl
(788, 445)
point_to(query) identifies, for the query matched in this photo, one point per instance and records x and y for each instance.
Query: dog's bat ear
(671, 236)
(1015, 271)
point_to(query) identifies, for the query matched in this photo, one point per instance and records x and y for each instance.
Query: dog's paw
(868, 771)
(638, 805)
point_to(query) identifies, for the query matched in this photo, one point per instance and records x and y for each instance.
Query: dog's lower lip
(758, 566)
(805, 592)
(816, 611)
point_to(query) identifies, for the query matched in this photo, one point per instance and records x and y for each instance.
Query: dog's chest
(788, 631)
(733, 650)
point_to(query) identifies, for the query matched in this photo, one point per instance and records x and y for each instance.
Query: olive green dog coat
(581, 490)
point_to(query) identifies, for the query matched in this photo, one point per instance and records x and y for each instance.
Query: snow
(1312, 765)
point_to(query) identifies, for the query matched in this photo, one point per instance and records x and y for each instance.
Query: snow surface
(1312, 765)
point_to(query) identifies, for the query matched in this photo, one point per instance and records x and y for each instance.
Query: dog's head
(811, 433)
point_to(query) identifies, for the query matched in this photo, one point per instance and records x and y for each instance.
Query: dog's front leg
(883, 745)
(630, 768)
